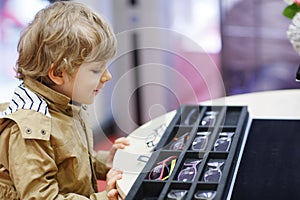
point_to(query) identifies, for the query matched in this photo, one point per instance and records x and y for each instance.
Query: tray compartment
(179, 138)
(224, 140)
(213, 170)
(200, 141)
(205, 191)
(189, 115)
(190, 167)
(210, 118)
(232, 116)
(149, 190)
(163, 167)
(180, 189)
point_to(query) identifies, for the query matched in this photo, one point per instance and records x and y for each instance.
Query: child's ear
(56, 78)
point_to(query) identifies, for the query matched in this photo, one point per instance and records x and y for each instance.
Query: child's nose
(106, 76)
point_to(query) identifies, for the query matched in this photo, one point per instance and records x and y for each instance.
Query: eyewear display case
(197, 156)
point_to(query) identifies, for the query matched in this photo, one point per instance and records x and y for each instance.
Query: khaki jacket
(47, 148)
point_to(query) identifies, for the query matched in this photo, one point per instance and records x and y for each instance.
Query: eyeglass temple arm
(167, 160)
(171, 170)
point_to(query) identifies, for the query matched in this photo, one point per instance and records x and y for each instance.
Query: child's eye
(96, 71)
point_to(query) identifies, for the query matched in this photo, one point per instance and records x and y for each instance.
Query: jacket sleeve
(100, 164)
(33, 169)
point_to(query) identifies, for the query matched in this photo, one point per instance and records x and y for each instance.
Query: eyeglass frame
(204, 134)
(157, 132)
(163, 163)
(224, 136)
(213, 192)
(193, 164)
(212, 168)
(209, 114)
(174, 192)
(183, 139)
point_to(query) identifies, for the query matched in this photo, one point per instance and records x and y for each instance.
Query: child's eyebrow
(98, 66)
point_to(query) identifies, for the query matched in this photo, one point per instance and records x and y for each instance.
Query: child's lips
(97, 90)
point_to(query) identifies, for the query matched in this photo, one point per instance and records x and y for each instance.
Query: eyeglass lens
(177, 194)
(189, 172)
(200, 141)
(162, 169)
(205, 195)
(223, 143)
(209, 119)
(158, 172)
(214, 173)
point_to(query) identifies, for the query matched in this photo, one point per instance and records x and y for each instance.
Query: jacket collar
(55, 100)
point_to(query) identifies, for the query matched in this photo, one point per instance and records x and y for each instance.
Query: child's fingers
(122, 140)
(112, 194)
(112, 176)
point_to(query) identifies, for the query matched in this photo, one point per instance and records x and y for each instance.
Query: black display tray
(189, 123)
(269, 168)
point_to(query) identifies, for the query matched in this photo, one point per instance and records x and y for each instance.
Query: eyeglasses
(189, 172)
(209, 119)
(162, 171)
(200, 142)
(178, 143)
(214, 173)
(205, 195)
(154, 138)
(223, 143)
(177, 194)
(191, 117)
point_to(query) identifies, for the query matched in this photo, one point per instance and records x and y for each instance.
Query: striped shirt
(23, 98)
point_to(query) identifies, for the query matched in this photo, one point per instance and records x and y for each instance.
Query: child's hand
(111, 178)
(119, 143)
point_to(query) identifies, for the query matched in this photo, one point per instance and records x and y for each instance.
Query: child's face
(87, 82)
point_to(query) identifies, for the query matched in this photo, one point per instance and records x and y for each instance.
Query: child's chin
(86, 102)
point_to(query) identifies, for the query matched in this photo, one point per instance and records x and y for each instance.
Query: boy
(46, 146)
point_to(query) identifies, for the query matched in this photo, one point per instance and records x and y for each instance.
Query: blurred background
(171, 53)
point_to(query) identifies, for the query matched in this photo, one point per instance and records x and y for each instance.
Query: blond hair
(65, 34)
